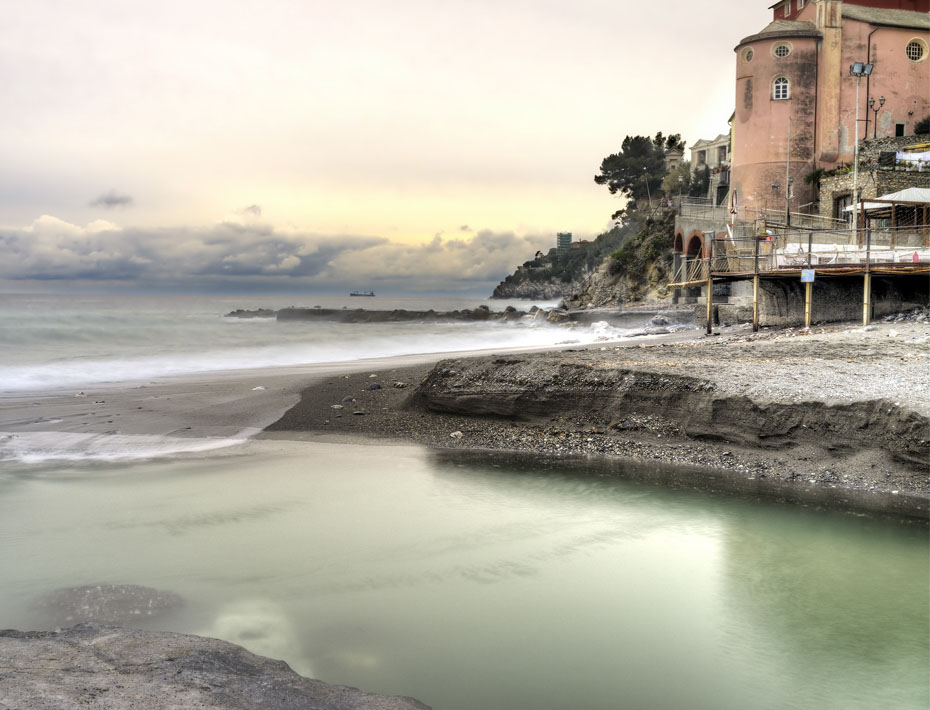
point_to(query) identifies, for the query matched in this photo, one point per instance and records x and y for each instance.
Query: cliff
(559, 275)
(628, 264)
(638, 271)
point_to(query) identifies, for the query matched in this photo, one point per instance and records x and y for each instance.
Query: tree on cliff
(637, 170)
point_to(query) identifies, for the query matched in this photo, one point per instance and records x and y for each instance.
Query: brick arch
(679, 245)
(696, 244)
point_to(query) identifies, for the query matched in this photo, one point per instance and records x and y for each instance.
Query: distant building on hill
(714, 156)
(673, 158)
(563, 241)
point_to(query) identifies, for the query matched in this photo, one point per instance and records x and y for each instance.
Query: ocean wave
(288, 345)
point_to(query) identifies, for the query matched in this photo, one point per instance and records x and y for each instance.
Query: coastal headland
(840, 415)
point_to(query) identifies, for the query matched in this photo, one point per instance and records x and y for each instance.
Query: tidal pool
(487, 582)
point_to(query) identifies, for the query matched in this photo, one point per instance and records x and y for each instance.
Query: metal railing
(800, 220)
(837, 250)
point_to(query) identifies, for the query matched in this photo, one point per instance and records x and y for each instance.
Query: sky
(401, 145)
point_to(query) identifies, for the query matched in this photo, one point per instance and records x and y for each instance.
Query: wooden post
(710, 290)
(755, 287)
(867, 281)
(925, 241)
(861, 222)
(894, 226)
(808, 287)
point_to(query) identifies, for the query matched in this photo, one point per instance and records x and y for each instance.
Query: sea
(468, 580)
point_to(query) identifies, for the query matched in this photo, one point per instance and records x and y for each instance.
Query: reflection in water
(263, 627)
(489, 580)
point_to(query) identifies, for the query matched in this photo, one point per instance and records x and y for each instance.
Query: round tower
(776, 81)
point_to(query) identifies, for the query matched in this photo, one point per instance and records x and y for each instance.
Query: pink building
(794, 78)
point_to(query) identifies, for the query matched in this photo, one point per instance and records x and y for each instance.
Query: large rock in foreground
(112, 668)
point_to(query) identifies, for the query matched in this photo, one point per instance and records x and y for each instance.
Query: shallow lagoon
(487, 581)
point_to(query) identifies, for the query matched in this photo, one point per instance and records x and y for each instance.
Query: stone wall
(874, 181)
(781, 301)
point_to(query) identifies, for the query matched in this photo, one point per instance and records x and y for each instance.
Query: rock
(347, 400)
(358, 413)
(257, 313)
(400, 385)
(337, 406)
(374, 386)
(106, 604)
(557, 316)
(113, 668)
(456, 435)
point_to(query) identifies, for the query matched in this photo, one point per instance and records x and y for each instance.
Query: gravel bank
(842, 410)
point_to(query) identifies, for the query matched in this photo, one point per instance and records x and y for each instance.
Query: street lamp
(881, 102)
(858, 70)
(648, 191)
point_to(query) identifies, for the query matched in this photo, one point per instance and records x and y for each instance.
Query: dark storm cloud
(112, 200)
(53, 249)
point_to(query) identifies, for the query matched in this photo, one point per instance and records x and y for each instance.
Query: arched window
(780, 88)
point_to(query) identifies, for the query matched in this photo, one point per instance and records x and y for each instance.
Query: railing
(703, 210)
(801, 220)
(835, 250)
(688, 270)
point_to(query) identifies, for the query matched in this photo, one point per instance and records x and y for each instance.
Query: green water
(484, 583)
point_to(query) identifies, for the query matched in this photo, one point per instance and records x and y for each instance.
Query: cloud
(236, 252)
(464, 228)
(253, 210)
(112, 200)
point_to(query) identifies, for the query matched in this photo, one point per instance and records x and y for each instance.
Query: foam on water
(42, 447)
(292, 344)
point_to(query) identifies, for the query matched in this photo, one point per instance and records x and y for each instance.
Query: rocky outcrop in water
(361, 315)
(112, 668)
(106, 604)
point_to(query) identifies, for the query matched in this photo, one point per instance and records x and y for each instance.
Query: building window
(721, 155)
(800, 4)
(916, 50)
(840, 203)
(787, 8)
(780, 88)
(747, 55)
(781, 50)
(702, 157)
(899, 129)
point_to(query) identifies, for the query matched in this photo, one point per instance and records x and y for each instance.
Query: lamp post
(648, 191)
(881, 102)
(858, 70)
